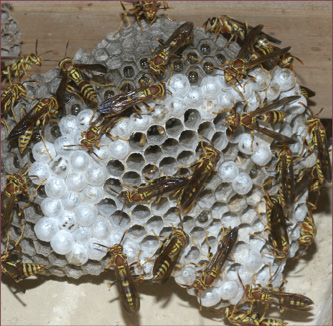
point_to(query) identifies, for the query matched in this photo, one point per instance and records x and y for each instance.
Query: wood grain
(305, 25)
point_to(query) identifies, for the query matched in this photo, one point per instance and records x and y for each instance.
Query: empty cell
(167, 165)
(188, 139)
(140, 214)
(153, 153)
(154, 224)
(192, 119)
(137, 141)
(156, 135)
(206, 129)
(120, 219)
(131, 179)
(205, 199)
(150, 244)
(174, 127)
(172, 216)
(106, 207)
(198, 234)
(220, 140)
(170, 146)
(135, 233)
(193, 255)
(160, 207)
(115, 168)
(57, 260)
(135, 161)
(184, 158)
(150, 171)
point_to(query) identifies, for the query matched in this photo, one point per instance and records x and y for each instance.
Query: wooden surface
(304, 25)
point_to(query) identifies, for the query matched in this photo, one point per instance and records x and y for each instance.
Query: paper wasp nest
(74, 208)
(10, 35)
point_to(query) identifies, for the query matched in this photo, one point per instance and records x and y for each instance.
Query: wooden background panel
(305, 25)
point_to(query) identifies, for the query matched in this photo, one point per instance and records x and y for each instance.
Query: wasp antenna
(67, 47)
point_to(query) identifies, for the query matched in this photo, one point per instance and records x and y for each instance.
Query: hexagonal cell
(136, 232)
(192, 55)
(220, 140)
(156, 135)
(184, 158)
(203, 219)
(160, 207)
(106, 207)
(178, 65)
(170, 146)
(206, 129)
(151, 171)
(154, 224)
(174, 127)
(128, 69)
(152, 153)
(192, 119)
(140, 214)
(112, 187)
(115, 168)
(28, 247)
(135, 161)
(208, 65)
(167, 165)
(205, 199)
(166, 231)
(120, 219)
(137, 141)
(131, 179)
(57, 260)
(74, 271)
(193, 255)
(188, 223)
(172, 216)
(188, 139)
(93, 268)
(43, 248)
(237, 204)
(144, 63)
(224, 192)
(150, 243)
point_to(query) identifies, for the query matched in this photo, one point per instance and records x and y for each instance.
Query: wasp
(318, 143)
(117, 104)
(237, 69)
(143, 9)
(203, 168)
(285, 170)
(307, 92)
(17, 184)
(21, 66)
(228, 25)
(278, 239)
(10, 97)
(264, 114)
(74, 72)
(213, 269)
(39, 114)
(13, 267)
(154, 188)
(308, 231)
(181, 37)
(97, 129)
(126, 286)
(275, 296)
(238, 317)
(168, 255)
